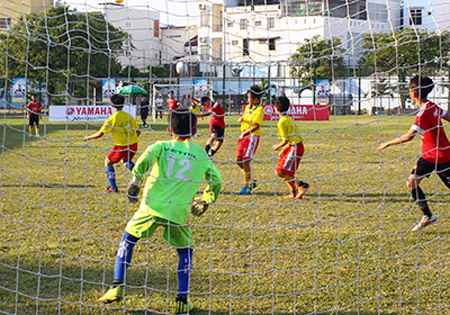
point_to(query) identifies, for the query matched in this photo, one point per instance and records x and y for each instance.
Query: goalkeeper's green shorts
(179, 236)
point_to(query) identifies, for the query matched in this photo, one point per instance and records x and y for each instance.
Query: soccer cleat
(182, 306)
(290, 196)
(245, 191)
(112, 190)
(254, 184)
(426, 221)
(302, 190)
(112, 295)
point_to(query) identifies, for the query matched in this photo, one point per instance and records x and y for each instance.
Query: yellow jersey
(120, 125)
(251, 117)
(195, 110)
(287, 130)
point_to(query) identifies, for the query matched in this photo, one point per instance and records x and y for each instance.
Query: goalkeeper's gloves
(133, 190)
(199, 206)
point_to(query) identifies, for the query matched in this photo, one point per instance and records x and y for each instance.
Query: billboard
(322, 91)
(108, 89)
(299, 112)
(85, 113)
(19, 90)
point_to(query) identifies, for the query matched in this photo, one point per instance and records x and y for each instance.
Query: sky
(173, 12)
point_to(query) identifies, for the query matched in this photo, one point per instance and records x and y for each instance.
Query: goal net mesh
(346, 247)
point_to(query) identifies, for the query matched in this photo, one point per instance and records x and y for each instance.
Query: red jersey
(217, 117)
(34, 108)
(173, 103)
(435, 144)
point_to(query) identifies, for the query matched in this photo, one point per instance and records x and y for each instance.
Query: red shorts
(124, 153)
(290, 159)
(247, 147)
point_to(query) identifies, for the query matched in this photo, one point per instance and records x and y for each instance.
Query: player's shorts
(124, 153)
(424, 168)
(290, 159)
(144, 115)
(34, 120)
(177, 235)
(247, 147)
(218, 132)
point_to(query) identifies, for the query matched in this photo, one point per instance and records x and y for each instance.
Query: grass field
(346, 248)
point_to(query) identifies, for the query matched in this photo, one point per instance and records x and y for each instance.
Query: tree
(62, 49)
(160, 72)
(317, 58)
(404, 53)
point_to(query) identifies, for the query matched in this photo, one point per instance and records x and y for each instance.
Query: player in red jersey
(172, 102)
(435, 145)
(33, 110)
(216, 123)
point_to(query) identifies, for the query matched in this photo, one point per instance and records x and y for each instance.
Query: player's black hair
(204, 99)
(118, 100)
(170, 92)
(283, 104)
(182, 122)
(423, 85)
(255, 91)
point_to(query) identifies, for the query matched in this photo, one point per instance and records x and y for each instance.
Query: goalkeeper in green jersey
(177, 169)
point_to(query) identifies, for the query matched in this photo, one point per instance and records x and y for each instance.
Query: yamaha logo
(268, 110)
(70, 110)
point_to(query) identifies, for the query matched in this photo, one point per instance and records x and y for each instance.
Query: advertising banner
(19, 90)
(85, 113)
(299, 112)
(108, 89)
(201, 88)
(322, 91)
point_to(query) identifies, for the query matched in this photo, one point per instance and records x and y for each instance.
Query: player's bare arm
(96, 135)
(403, 138)
(278, 146)
(249, 131)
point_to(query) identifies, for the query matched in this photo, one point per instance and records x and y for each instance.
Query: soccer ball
(182, 68)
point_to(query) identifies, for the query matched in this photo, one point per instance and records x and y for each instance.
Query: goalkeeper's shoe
(112, 190)
(114, 294)
(426, 221)
(182, 306)
(302, 190)
(254, 184)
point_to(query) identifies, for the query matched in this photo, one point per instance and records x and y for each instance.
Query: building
(258, 32)
(144, 44)
(430, 14)
(12, 10)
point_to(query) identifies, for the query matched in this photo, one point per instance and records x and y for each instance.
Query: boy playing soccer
(125, 131)
(435, 145)
(178, 167)
(216, 123)
(292, 152)
(172, 102)
(249, 139)
(33, 111)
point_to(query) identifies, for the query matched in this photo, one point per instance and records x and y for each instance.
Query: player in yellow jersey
(249, 139)
(125, 131)
(292, 152)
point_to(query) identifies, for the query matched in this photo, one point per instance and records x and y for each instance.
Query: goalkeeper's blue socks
(111, 175)
(184, 270)
(123, 256)
(129, 165)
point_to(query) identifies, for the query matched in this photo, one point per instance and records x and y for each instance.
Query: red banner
(299, 112)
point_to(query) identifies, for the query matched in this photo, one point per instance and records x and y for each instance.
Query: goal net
(347, 246)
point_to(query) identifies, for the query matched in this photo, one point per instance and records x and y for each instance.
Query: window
(156, 28)
(272, 45)
(258, 23)
(416, 17)
(270, 22)
(243, 24)
(5, 23)
(246, 47)
(234, 42)
(204, 18)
